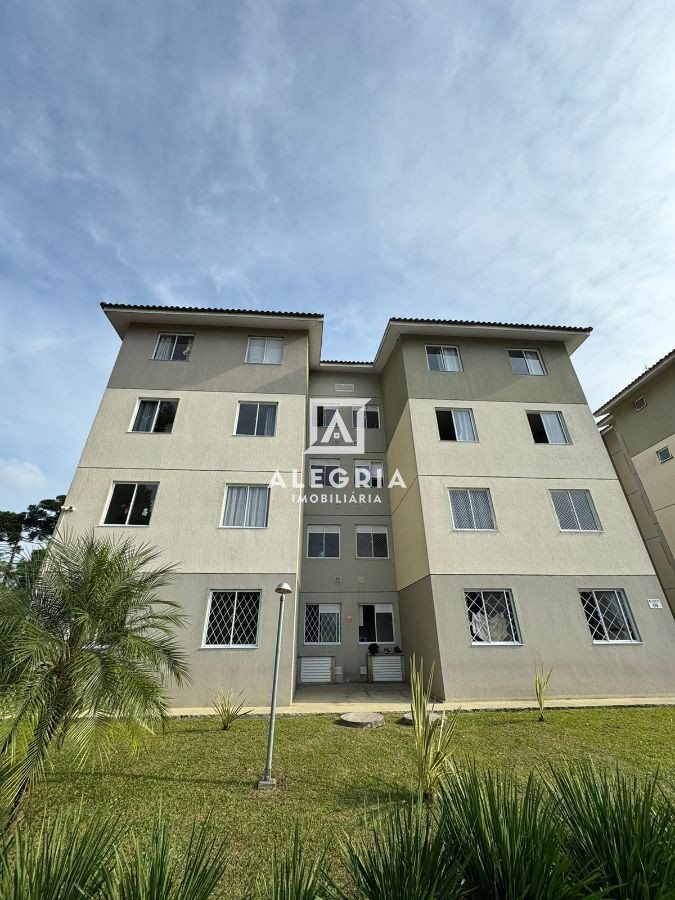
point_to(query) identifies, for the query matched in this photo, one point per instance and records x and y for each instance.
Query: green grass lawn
(330, 776)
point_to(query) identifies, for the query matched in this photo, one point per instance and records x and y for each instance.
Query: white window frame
(156, 400)
(452, 410)
(104, 524)
(362, 464)
(248, 495)
(370, 529)
(175, 335)
(597, 530)
(561, 420)
(377, 607)
(428, 347)
(263, 362)
(323, 463)
(626, 612)
(369, 407)
(664, 459)
(236, 592)
(327, 607)
(324, 532)
(513, 618)
(525, 350)
(258, 404)
(474, 530)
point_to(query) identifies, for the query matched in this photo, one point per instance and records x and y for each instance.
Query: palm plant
(87, 647)
(540, 684)
(229, 707)
(620, 832)
(433, 733)
(294, 876)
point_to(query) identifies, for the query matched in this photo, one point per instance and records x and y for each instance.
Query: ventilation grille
(345, 388)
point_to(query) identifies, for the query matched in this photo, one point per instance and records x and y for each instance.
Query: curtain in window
(257, 507)
(450, 359)
(463, 425)
(553, 428)
(267, 418)
(235, 505)
(534, 366)
(165, 346)
(256, 350)
(145, 415)
(478, 626)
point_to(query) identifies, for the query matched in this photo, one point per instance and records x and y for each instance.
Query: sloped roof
(653, 370)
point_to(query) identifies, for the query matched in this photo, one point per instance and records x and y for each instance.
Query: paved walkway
(330, 699)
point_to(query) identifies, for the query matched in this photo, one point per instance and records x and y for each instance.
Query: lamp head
(283, 589)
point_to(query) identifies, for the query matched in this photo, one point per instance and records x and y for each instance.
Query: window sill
(131, 431)
(324, 644)
(112, 525)
(249, 362)
(581, 531)
(610, 643)
(496, 643)
(243, 527)
(229, 647)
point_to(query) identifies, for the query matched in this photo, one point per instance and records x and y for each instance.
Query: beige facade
(638, 428)
(380, 564)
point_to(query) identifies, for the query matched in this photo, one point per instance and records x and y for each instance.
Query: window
(376, 623)
(575, 511)
(371, 416)
(444, 359)
(322, 623)
(130, 504)
(323, 541)
(456, 425)
(639, 404)
(232, 619)
(267, 350)
(526, 362)
(322, 470)
(548, 428)
(471, 509)
(368, 473)
(246, 506)
(155, 416)
(609, 617)
(175, 347)
(492, 619)
(664, 454)
(372, 542)
(324, 415)
(258, 419)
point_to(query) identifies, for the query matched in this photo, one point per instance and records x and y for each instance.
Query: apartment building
(638, 428)
(450, 499)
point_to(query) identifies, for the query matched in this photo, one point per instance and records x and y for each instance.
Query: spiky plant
(540, 684)
(403, 856)
(507, 836)
(433, 733)
(620, 832)
(87, 647)
(58, 859)
(294, 876)
(229, 707)
(154, 871)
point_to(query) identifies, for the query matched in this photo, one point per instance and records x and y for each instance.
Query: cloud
(15, 474)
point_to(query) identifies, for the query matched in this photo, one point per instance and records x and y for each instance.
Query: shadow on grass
(65, 777)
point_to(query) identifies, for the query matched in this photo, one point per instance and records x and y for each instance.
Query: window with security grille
(368, 473)
(609, 617)
(155, 416)
(130, 504)
(471, 509)
(322, 623)
(232, 619)
(575, 511)
(371, 416)
(323, 541)
(492, 619)
(246, 506)
(444, 359)
(324, 472)
(372, 542)
(526, 362)
(259, 419)
(456, 425)
(175, 347)
(548, 428)
(265, 350)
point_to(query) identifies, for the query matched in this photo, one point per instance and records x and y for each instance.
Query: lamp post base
(267, 784)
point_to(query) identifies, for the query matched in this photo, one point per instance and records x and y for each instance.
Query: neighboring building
(638, 428)
(509, 542)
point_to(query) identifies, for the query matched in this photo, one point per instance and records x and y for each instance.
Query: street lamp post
(267, 781)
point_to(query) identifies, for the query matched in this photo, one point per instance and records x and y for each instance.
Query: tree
(87, 648)
(11, 533)
(40, 518)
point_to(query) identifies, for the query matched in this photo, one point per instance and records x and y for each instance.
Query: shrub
(229, 707)
(433, 734)
(294, 877)
(540, 684)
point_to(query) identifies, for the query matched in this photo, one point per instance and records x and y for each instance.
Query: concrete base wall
(246, 670)
(554, 632)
